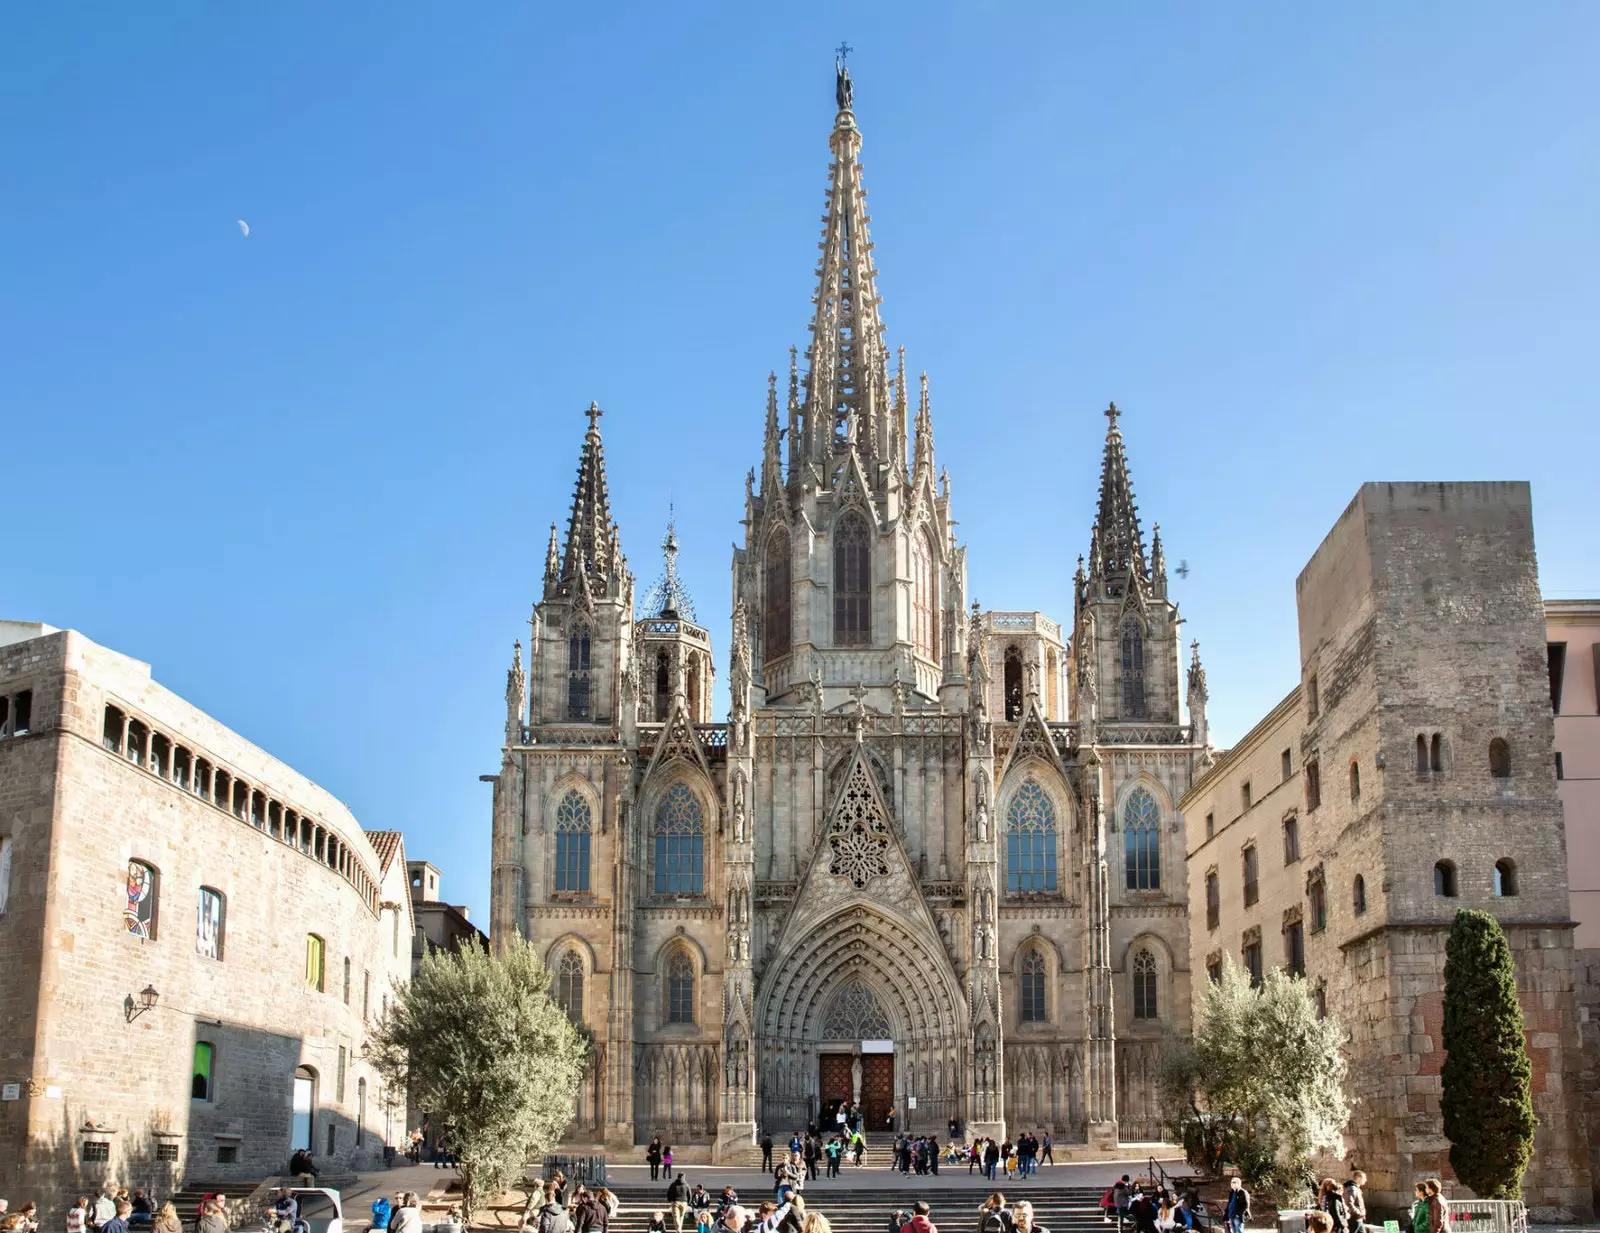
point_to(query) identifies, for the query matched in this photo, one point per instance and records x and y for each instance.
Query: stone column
(618, 1112)
(1100, 1026)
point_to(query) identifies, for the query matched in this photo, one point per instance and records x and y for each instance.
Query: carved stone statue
(843, 93)
(516, 697)
(855, 1078)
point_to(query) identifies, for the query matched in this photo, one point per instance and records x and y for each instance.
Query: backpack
(380, 1214)
(554, 1221)
(993, 1222)
(898, 1219)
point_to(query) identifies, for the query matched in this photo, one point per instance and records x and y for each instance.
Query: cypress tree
(1488, 1079)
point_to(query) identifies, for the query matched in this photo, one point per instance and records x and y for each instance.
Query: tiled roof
(385, 844)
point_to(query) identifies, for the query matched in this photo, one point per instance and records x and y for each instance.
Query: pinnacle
(1119, 540)
(591, 539)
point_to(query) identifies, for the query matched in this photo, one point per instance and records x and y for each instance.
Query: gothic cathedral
(931, 862)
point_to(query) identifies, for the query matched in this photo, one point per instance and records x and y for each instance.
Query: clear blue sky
(308, 474)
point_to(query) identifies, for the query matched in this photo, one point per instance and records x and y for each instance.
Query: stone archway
(913, 993)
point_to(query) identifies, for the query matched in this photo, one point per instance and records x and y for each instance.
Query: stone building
(1406, 776)
(440, 925)
(192, 934)
(930, 860)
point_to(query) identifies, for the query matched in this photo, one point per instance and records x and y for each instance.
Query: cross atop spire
(591, 546)
(668, 598)
(1111, 414)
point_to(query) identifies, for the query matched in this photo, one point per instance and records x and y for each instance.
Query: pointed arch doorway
(855, 1057)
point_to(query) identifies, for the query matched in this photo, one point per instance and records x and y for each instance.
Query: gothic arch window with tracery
(924, 596)
(680, 843)
(858, 836)
(569, 985)
(680, 988)
(1132, 671)
(854, 1014)
(578, 673)
(776, 596)
(1141, 820)
(852, 582)
(1030, 986)
(663, 685)
(573, 825)
(1145, 982)
(1030, 840)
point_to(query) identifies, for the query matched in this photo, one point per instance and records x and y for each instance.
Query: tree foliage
(1261, 1084)
(477, 1041)
(1488, 1098)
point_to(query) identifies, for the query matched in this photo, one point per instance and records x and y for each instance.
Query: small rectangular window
(96, 1151)
(1311, 696)
(314, 966)
(21, 712)
(1250, 892)
(111, 733)
(1291, 840)
(1252, 962)
(211, 922)
(1319, 907)
(1288, 764)
(166, 1152)
(338, 1083)
(1214, 971)
(1313, 784)
(1211, 825)
(227, 1153)
(1244, 794)
(1213, 901)
(200, 1085)
(366, 993)
(1294, 949)
(1561, 773)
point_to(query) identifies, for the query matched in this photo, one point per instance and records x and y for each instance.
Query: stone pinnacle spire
(1118, 539)
(590, 547)
(772, 453)
(846, 392)
(924, 432)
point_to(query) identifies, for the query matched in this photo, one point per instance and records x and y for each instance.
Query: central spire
(1117, 539)
(846, 387)
(591, 537)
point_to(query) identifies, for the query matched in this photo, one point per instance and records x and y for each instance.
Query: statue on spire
(843, 89)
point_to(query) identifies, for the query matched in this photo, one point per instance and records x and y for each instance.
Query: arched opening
(1505, 878)
(301, 1122)
(852, 582)
(1013, 682)
(1031, 987)
(1355, 780)
(1500, 758)
(1141, 818)
(1422, 754)
(1132, 671)
(1436, 752)
(573, 825)
(663, 686)
(1030, 841)
(691, 676)
(578, 673)
(1144, 986)
(776, 589)
(139, 917)
(1358, 896)
(1444, 880)
(210, 923)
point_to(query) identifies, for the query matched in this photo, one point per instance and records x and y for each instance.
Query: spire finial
(594, 413)
(843, 89)
(1111, 414)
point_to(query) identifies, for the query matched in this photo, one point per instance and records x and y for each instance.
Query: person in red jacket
(919, 1222)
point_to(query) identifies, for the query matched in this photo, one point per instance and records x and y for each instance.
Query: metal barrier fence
(1488, 1216)
(589, 1170)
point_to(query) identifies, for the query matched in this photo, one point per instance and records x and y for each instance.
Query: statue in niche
(855, 1078)
(738, 807)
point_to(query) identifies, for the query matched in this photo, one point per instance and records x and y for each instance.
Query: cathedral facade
(932, 859)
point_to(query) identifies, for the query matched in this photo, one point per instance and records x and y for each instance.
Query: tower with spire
(929, 864)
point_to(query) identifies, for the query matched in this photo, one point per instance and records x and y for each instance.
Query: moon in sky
(244, 228)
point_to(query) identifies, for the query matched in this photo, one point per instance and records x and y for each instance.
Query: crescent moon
(244, 228)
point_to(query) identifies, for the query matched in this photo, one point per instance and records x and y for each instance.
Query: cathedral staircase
(865, 1209)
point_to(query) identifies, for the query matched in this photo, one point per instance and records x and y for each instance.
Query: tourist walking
(1022, 1219)
(1238, 1209)
(78, 1216)
(678, 1202)
(1047, 1155)
(1330, 1198)
(1419, 1208)
(994, 1216)
(666, 1161)
(1438, 1207)
(1355, 1198)
(167, 1219)
(920, 1221)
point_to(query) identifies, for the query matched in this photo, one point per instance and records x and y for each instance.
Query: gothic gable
(1033, 739)
(678, 742)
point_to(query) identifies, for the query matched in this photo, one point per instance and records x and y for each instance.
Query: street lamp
(132, 1009)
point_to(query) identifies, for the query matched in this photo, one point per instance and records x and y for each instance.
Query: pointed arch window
(924, 596)
(573, 826)
(1012, 678)
(1132, 671)
(852, 582)
(1030, 840)
(680, 988)
(776, 592)
(1141, 821)
(680, 843)
(569, 985)
(663, 686)
(691, 681)
(1030, 981)
(144, 898)
(1145, 983)
(578, 673)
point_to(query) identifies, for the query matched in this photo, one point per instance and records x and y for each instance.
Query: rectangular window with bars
(166, 1152)
(96, 1151)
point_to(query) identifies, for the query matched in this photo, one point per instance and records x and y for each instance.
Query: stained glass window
(1031, 982)
(1030, 840)
(680, 988)
(1132, 672)
(578, 673)
(680, 843)
(572, 842)
(776, 599)
(1141, 820)
(209, 924)
(852, 582)
(139, 917)
(314, 962)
